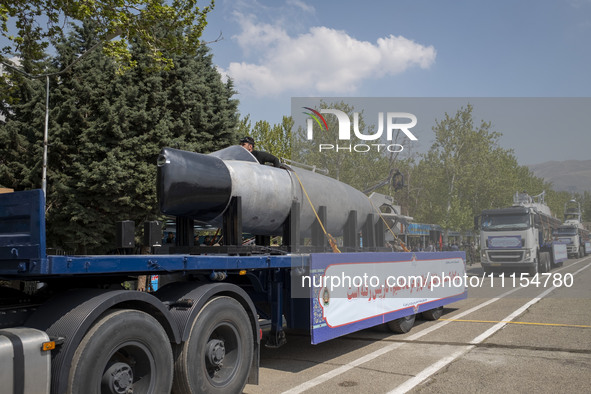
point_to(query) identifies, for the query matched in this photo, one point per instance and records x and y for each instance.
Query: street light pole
(45, 138)
(46, 127)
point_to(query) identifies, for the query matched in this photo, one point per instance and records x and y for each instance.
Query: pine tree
(107, 130)
(22, 116)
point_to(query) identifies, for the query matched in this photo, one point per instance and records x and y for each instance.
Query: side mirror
(477, 222)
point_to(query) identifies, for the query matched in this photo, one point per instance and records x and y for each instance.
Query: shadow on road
(298, 354)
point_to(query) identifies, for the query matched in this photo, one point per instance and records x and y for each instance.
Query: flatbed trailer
(79, 330)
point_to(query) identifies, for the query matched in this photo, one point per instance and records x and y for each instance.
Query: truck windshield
(505, 222)
(565, 231)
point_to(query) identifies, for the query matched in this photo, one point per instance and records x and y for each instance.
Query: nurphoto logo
(402, 121)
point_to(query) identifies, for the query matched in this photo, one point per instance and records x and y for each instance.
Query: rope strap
(331, 240)
(389, 229)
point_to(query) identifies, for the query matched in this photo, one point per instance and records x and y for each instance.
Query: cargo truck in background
(519, 237)
(572, 232)
(70, 323)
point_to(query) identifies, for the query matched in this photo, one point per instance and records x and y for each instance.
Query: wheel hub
(118, 378)
(216, 352)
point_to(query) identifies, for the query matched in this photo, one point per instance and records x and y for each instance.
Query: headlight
(527, 254)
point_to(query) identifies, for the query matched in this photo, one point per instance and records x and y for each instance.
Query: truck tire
(217, 356)
(536, 266)
(127, 350)
(544, 262)
(433, 314)
(402, 325)
(534, 269)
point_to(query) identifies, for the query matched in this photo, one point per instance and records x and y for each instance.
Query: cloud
(319, 61)
(302, 6)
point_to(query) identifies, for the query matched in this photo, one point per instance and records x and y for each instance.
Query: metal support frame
(291, 229)
(318, 238)
(262, 240)
(380, 234)
(368, 233)
(276, 337)
(232, 223)
(350, 236)
(184, 231)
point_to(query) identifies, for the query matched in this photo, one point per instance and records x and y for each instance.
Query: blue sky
(278, 50)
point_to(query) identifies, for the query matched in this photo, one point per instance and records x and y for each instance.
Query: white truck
(572, 232)
(518, 237)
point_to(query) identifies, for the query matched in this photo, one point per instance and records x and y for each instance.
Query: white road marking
(433, 368)
(371, 356)
(430, 370)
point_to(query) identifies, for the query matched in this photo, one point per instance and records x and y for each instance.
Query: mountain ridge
(569, 175)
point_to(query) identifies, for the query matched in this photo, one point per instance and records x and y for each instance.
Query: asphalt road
(527, 338)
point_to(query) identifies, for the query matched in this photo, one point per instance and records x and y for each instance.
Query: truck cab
(509, 239)
(517, 237)
(570, 235)
(572, 232)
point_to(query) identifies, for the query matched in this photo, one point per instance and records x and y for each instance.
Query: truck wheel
(217, 356)
(433, 314)
(535, 269)
(402, 325)
(126, 351)
(544, 262)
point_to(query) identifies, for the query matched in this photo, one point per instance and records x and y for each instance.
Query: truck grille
(512, 256)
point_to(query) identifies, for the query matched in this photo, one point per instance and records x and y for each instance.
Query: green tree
(22, 112)
(361, 170)
(274, 139)
(556, 200)
(464, 172)
(21, 136)
(586, 206)
(116, 24)
(107, 130)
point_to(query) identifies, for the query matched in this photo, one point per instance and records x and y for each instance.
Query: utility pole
(45, 138)
(46, 127)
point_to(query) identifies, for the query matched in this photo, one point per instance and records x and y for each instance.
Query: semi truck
(572, 232)
(74, 323)
(519, 237)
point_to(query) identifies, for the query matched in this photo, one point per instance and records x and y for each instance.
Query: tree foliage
(586, 206)
(466, 171)
(106, 131)
(361, 169)
(41, 23)
(274, 139)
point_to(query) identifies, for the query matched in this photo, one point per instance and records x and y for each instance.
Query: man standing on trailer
(263, 157)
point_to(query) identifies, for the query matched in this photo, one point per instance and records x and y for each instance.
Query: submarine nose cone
(192, 184)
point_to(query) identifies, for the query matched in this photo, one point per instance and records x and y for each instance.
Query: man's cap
(248, 140)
